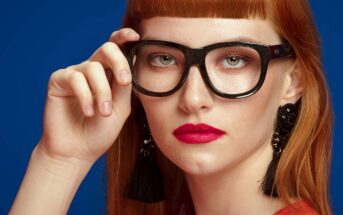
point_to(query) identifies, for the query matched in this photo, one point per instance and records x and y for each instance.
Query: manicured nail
(124, 76)
(107, 107)
(89, 110)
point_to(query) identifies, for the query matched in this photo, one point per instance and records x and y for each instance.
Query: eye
(234, 62)
(162, 60)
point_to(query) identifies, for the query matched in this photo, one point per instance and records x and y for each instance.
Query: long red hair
(303, 170)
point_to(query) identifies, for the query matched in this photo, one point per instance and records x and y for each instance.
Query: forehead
(198, 32)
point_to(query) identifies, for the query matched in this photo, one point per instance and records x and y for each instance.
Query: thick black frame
(197, 57)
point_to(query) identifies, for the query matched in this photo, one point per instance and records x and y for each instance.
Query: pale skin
(223, 176)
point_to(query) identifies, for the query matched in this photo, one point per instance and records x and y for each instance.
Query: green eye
(162, 60)
(234, 62)
(165, 60)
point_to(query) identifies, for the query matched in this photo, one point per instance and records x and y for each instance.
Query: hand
(87, 104)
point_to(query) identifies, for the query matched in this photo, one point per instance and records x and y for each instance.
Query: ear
(292, 85)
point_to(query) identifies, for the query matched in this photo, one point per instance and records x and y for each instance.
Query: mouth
(197, 133)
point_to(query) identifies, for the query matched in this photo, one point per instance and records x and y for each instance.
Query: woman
(232, 93)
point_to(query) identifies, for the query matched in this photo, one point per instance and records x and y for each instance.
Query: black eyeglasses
(230, 69)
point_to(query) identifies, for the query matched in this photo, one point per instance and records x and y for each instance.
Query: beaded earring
(146, 183)
(286, 119)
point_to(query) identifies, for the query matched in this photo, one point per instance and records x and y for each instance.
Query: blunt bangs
(142, 9)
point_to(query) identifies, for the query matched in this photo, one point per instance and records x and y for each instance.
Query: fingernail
(107, 107)
(89, 110)
(124, 76)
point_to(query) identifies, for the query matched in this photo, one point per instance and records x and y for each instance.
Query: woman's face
(247, 124)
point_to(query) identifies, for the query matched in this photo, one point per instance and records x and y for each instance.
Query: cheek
(254, 117)
(260, 109)
(161, 114)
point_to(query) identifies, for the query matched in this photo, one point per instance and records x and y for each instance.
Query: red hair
(303, 169)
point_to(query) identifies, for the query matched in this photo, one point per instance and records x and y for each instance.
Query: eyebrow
(246, 39)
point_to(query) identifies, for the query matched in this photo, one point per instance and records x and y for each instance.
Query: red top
(300, 208)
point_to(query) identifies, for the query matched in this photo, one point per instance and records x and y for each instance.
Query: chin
(201, 165)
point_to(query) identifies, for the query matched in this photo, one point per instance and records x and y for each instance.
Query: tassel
(287, 117)
(269, 179)
(146, 183)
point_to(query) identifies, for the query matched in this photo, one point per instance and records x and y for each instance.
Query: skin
(77, 130)
(87, 105)
(223, 175)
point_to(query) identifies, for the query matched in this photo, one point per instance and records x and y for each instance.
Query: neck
(235, 190)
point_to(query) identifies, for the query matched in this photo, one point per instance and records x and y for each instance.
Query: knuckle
(55, 74)
(101, 90)
(122, 34)
(108, 47)
(114, 33)
(72, 67)
(94, 66)
(111, 52)
(52, 79)
(126, 29)
(75, 76)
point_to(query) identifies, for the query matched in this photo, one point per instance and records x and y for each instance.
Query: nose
(195, 96)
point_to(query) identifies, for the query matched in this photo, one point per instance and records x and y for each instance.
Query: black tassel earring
(146, 183)
(286, 119)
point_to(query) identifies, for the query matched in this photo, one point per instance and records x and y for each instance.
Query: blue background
(38, 37)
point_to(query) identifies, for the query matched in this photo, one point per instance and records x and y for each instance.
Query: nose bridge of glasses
(195, 57)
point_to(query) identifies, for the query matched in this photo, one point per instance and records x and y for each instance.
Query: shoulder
(298, 208)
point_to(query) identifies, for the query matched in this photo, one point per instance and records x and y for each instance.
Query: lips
(197, 133)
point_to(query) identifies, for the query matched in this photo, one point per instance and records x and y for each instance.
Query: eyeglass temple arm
(280, 51)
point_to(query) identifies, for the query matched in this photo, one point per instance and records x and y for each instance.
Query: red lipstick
(197, 133)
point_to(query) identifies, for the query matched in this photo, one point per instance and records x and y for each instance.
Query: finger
(121, 96)
(76, 81)
(110, 56)
(124, 35)
(99, 85)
